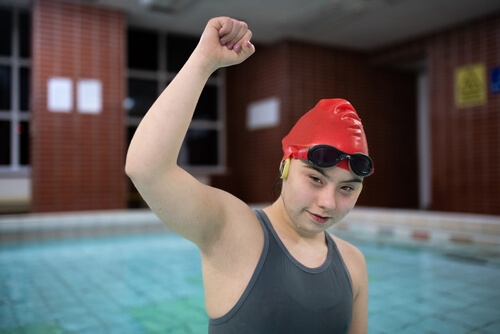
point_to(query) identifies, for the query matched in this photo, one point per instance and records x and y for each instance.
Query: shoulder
(239, 231)
(348, 251)
(354, 261)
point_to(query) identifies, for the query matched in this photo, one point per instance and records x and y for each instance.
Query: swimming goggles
(328, 156)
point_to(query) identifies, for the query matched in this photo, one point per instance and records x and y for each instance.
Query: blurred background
(77, 76)
(80, 252)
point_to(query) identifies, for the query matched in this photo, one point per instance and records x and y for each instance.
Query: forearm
(158, 138)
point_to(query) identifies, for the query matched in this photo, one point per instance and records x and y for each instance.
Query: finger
(238, 38)
(243, 50)
(233, 31)
(213, 29)
(248, 48)
(242, 42)
(225, 30)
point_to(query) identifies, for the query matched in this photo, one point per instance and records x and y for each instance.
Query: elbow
(131, 167)
(128, 169)
(136, 172)
(143, 171)
(142, 167)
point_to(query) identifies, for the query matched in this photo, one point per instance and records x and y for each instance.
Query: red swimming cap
(331, 122)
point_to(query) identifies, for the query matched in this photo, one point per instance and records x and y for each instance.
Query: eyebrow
(322, 172)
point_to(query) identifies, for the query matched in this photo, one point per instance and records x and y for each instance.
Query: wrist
(203, 64)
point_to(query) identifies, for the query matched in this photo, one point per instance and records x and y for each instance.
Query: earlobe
(284, 168)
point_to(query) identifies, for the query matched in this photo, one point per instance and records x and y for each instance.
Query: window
(179, 49)
(5, 87)
(142, 50)
(199, 148)
(5, 148)
(15, 65)
(6, 28)
(141, 95)
(154, 58)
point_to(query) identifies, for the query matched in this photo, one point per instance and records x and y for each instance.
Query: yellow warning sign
(470, 85)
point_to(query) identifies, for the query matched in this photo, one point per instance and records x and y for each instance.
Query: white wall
(15, 192)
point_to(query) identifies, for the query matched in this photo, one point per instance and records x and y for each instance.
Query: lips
(318, 219)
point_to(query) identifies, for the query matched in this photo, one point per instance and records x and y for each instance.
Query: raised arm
(188, 207)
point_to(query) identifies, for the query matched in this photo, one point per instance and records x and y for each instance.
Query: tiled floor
(152, 284)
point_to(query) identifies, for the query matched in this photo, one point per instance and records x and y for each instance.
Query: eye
(351, 188)
(347, 188)
(315, 179)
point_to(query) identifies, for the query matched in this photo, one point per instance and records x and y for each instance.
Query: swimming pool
(152, 283)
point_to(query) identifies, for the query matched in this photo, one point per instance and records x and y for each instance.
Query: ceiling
(355, 24)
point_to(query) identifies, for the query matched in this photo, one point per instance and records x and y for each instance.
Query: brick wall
(383, 98)
(77, 158)
(465, 141)
(254, 156)
(301, 74)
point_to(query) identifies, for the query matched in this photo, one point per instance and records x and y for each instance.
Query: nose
(326, 199)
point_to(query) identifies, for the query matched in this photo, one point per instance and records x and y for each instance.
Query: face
(316, 198)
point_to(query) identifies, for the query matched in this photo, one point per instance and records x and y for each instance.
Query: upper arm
(356, 265)
(196, 211)
(359, 323)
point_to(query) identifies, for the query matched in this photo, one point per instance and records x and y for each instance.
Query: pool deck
(26, 227)
(421, 228)
(474, 237)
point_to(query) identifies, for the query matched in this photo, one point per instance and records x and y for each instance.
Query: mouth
(317, 218)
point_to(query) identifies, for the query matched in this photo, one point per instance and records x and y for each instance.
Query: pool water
(152, 284)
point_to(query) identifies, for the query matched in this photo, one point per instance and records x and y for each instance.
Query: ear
(284, 168)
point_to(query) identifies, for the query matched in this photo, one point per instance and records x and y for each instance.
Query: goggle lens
(328, 156)
(324, 156)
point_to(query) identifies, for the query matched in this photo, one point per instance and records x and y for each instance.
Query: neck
(286, 227)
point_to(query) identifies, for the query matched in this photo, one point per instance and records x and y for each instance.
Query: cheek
(295, 193)
(347, 202)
